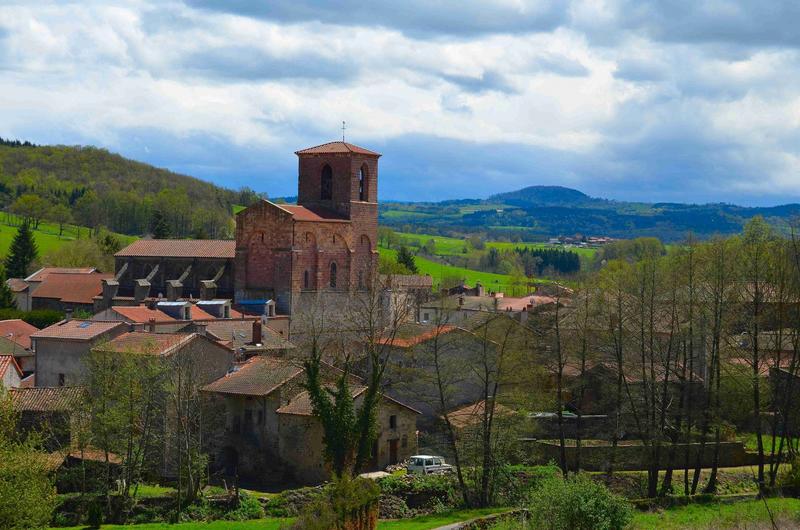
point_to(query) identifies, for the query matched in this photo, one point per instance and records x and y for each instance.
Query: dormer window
(326, 183)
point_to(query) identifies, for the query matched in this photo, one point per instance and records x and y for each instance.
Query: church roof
(304, 213)
(336, 147)
(180, 248)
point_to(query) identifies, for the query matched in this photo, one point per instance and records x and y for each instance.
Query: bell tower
(338, 177)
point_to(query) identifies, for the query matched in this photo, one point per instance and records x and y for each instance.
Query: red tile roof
(301, 404)
(141, 314)
(46, 399)
(7, 362)
(473, 413)
(180, 248)
(77, 288)
(28, 382)
(422, 336)
(198, 313)
(42, 273)
(17, 285)
(18, 331)
(303, 213)
(77, 329)
(259, 376)
(336, 147)
(148, 343)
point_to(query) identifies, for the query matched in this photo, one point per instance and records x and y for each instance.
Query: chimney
(201, 328)
(151, 325)
(141, 290)
(256, 332)
(68, 314)
(110, 288)
(208, 289)
(174, 290)
(480, 291)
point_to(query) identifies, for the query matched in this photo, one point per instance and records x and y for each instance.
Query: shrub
(578, 503)
(344, 498)
(94, 517)
(791, 477)
(393, 507)
(249, 508)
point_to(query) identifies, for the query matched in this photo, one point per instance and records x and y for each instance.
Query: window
(306, 282)
(61, 380)
(326, 184)
(362, 184)
(426, 316)
(392, 421)
(333, 275)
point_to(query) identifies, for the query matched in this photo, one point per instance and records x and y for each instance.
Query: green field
(743, 514)
(452, 246)
(438, 271)
(46, 235)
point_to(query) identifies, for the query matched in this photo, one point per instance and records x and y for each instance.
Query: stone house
(15, 339)
(60, 349)
(50, 412)
(270, 430)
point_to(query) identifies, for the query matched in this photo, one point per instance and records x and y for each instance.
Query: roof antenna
(343, 128)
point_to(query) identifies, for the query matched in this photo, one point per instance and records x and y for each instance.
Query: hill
(100, 188)
(536, 213)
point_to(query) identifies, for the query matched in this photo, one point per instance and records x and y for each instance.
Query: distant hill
(100, 188)
(543, 196)
(535, 213)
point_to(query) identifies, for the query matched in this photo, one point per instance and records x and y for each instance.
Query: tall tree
(60, 214)
(6, 296)
(406, 258)
(22, 254)
(158, 225)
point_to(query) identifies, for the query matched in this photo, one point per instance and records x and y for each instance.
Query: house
(60, 349)
(52, 412)
(458, 308)
(67, 291)
(15, 339)
(270, 429)
(10, 372)
(24, 288)
(248, 337)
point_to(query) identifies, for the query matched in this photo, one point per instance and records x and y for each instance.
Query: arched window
(362, 184)
(305, 280)
(326, 184)
(333, 275)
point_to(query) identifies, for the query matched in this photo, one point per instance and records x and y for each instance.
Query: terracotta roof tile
(18, 331)
(77, 329)
(303, 213)
(198, 313)
(141, 314)
(42, 273)
(147, 343)
(46, 399)
(473, 413)
(181, 248)
(17, 285)
(259, 376)
(78, 288)
(418, 335)
(301, 404)
(7, 362)
(336, 147)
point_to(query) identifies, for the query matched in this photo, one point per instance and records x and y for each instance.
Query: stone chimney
(174, 290)
(110, 289)
(141, 290)
(68, 314)
(479, 290)
(151, 325)
(208, 289)
(201, 328)
(256, 332)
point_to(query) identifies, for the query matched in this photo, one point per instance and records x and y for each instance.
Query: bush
(290, 503)
(40, 318)
(249, 508)
(94, 518)
(343, 499)
(393, 507)
(578, 503)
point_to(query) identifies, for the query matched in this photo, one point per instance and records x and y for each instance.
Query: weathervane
(343, 128)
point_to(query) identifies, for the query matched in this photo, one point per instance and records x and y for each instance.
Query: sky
(671, 100)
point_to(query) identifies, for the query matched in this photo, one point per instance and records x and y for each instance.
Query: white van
(428, 465)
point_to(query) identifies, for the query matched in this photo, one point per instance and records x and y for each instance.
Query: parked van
(428, 465)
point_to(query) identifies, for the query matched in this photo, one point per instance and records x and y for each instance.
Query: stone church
(328, 241)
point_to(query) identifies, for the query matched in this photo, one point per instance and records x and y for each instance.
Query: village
(284, 359)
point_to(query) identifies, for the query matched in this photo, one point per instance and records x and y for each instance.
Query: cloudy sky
(666, 100)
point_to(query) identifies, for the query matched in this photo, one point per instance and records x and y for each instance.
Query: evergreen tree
(22, 254)
(406, 258)
(158, 225)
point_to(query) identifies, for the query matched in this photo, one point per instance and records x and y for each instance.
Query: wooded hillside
(94, 187)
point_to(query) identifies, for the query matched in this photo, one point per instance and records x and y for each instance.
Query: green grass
(751, 442)
(433, 521)
(438, 271)
(153, 490)
(46, 235)
(743, 514)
